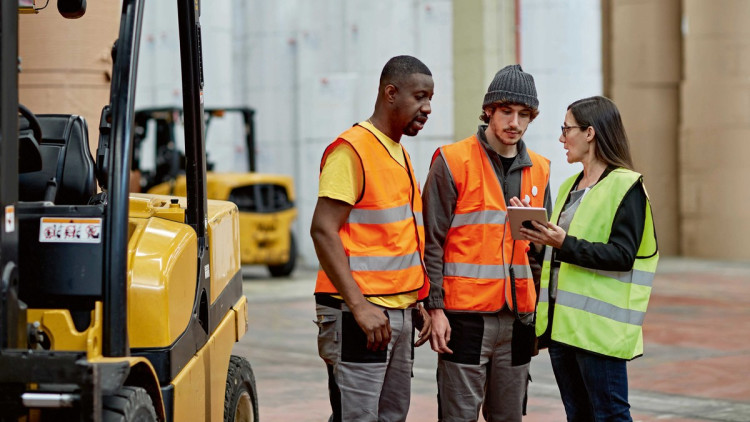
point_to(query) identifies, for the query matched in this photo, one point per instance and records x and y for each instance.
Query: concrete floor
(696, 365)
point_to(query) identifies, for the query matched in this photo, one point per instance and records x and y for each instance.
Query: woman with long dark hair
(597, 274)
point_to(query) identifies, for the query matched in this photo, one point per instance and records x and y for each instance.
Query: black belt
(328, 300)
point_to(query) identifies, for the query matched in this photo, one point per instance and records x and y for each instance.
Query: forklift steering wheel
(34, 124)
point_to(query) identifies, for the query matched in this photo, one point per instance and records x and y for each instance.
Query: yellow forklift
(265, 201)
(114, 306)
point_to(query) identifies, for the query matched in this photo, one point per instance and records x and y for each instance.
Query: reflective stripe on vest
(484, 271)
(478, 247)
(392, 215)
(479, 217)
(384, 263)
(596, 310)
(383, 236)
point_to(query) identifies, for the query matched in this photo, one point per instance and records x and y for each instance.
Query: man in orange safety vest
(482, 296)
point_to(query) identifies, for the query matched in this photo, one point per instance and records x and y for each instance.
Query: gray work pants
(479, 372)
(366, 385)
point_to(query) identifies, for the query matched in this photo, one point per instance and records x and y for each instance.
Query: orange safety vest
(384, 234)
(478, 246)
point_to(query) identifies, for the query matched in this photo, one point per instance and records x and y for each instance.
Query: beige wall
(715, 129)
(483, 42)
(644, 73)
(66, 63)
(678, 70)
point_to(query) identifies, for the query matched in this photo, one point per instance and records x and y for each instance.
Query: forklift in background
(265, 201)
(114, 306)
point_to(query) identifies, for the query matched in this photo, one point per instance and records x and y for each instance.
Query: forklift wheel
(240, 397)
(283, 270)
(129, 404)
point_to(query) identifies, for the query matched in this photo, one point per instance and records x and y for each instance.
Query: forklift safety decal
(10, 219)
(70, 230)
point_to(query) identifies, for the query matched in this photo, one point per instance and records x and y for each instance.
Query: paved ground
(696, 365)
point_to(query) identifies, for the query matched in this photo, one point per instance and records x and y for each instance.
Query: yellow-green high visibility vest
(596, 310)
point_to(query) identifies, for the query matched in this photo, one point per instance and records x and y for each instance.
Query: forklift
(114, 306)
(265, 201)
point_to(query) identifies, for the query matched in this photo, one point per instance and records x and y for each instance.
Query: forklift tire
(283, 270)
(240, 397)
(129, 404)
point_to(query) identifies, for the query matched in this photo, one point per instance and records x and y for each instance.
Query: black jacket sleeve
(619, 253)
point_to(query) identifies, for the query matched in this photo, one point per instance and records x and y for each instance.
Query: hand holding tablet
(522, 217)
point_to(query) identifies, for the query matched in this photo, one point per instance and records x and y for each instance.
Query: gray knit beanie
(512, 84)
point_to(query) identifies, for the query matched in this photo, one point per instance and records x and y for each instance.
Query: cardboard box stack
(715, 129)
(66, 63)
(645, 78)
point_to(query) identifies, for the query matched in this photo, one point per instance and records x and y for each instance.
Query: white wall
(159, 83)
(561, 48)
(311, 70)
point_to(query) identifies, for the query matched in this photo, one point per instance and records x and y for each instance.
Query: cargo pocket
(467, 331)
(523, 342)
(354, 343)
(329, 335)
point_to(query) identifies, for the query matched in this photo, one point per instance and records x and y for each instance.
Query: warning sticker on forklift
(70, 230)
(10, 219)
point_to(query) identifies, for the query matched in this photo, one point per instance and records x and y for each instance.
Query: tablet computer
(522, 216)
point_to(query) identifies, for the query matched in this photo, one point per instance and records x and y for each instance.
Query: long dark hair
(601, 113)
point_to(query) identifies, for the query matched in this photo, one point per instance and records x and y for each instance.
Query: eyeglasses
(565, 129)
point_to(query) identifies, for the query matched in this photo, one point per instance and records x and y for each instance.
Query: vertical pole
(188, 12)
(8, 173)
(122, 100)
(517, 11)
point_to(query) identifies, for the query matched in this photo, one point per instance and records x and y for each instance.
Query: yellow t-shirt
(342, 179)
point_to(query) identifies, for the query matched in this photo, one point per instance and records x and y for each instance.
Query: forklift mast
(117, 154)
(155, 132)
(19, 364)
(117, 144)
(115, 151)
(9, 306)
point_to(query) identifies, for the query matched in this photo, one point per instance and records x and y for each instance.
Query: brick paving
(696, 365)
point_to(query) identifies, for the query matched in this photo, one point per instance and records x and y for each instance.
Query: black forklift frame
(122, 100)
(248, 116)
(145, 114)
(18, 365)
(8, 171)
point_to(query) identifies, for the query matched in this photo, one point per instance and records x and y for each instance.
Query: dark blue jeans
(592, 387)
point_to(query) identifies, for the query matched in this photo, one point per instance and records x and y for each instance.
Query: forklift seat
(67, 174)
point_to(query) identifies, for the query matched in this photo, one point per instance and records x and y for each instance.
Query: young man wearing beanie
(368, 235)
(472, 259)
